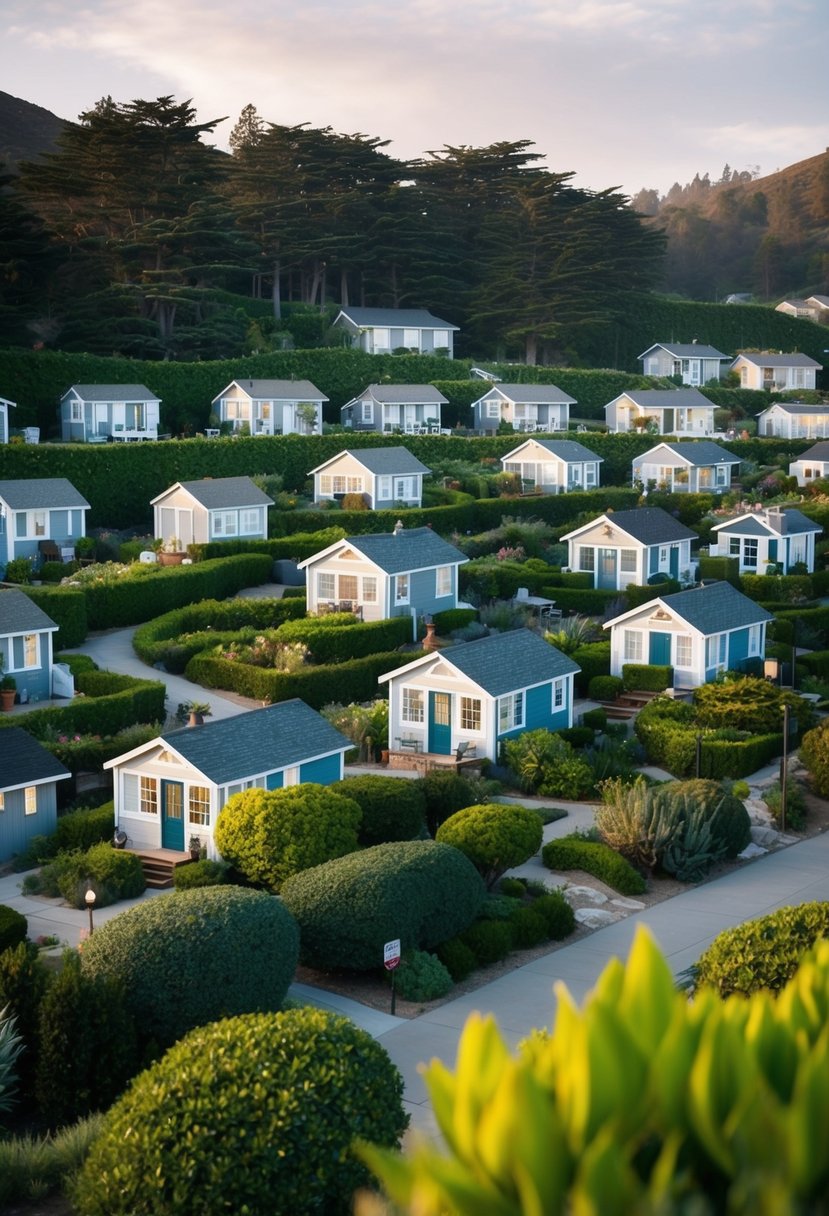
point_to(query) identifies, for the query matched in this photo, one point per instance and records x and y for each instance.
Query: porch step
(616, 711)
(158, 867)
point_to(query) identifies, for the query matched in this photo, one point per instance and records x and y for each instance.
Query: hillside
(26, 130)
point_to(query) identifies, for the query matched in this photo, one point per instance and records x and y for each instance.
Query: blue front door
(172, 815)
(660, 649)
(607, 570)
(440, 723)
(674, 560)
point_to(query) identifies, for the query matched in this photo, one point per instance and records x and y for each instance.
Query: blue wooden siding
(421, 595)
(34, 680)
(17, 828)
(737, 648)
(275, 781)
(539, 713)
(323, 771)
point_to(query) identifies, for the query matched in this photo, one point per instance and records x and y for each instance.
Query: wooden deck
(158, 865)
(427, 762)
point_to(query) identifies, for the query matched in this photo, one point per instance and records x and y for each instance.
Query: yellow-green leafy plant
(639, 1103)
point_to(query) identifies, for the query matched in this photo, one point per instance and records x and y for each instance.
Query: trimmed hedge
(204, 873)
(646, 677)
(253, 1114)
(418, 891)
(13, 928)
(762, 953)
(349, 639)
(667, 730)
(594, 660)
(593, 857)
(317, 686)
(450, 619)
(161, 640)
(780, 588)
(393, 808)
(495, 836)
(110, 703)
(197, 956)
(67, 608)
(605, 688)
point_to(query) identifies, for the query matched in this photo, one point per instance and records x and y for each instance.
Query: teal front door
(674, 562)
(440, 723)
(660, 649)
(172, 815)
(606, 580)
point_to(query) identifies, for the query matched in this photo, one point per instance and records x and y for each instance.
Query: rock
(750, 851)
(592, 896)
(765, 837)
(594, 918)
(758, 812)
(630, 905)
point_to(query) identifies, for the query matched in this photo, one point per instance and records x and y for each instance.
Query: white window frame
(628, 561)
(471, 715)
(587, 559)
(381, 338)
(751, 550)
(76, 411)
(323, 577)
(412, 705)
(633, 648)
(24, 652)
(401, 589)
(510, 712)
(148, 800)
(558, 694)
(369, 592)
(684, 651)
(251, 521)
(367, 411)
(30, 800)
(2, 801)
(754, 632)
(411, 339)
(198, 805)
(384, 490)
(443, 581)
(326, 486)
(493, 408)
(440, 339)
(224, 523)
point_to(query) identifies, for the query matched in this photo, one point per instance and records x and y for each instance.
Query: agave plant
(572, 632)
(11, 1045)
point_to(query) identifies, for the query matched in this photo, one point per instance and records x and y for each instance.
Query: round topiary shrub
(494, 836)
(417, 890)
(489, 940)
(729, 820)
(559, 918)
(268, 835)
(195, 956)
(252, 1114)
(762, 953)
(393, 808)
(528, 927)
(814, 752)
(422, 977)
(13, 928)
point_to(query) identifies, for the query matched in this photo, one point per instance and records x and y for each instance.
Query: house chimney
(398, 528)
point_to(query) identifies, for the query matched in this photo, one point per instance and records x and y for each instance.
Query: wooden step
(158, 867)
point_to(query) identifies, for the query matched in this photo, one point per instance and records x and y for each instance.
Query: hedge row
(295, 547)
(669, 735)
(317, 686)
(593, 857)
(594, 660)
(163, 640)
(110, 703)
(349, 640)
(778, 588)
(762, 953)
(646, 677)
(67, 608)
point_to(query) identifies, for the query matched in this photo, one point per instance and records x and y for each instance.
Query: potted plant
(194, 847)
(194, 712)
(85, 549)
(171, 552)
(8, 691)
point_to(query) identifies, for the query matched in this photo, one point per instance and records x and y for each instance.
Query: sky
(623, 93)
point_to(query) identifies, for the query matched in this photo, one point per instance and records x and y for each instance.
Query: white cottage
(526, 407)
(775, 371)
(215, 508)
(410, 409)
(812, 465)
(769, 541)
(95, 413)
(384, 331)
(680, 411)
(271, 407)
(642, 546)
(553, 466)
(794, 420)
(5, 406)
(700, 467)
(385, 477)
(693, 362)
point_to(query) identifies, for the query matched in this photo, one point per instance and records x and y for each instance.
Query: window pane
(149, 796)
(199, 805)
(412, 705)
(470, 713)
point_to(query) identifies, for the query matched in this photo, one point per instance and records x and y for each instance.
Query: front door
(172, 815)
(673, 557)
(440, 723)
(660, 650)
(607, 570)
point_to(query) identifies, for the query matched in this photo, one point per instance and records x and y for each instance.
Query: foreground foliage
(639, 1102)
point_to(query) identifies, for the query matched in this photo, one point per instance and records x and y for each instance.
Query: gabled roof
(821, 301)
(529, 394)
(796, 407)
(818, 451)
(214, 493)
(261, 741)
(24, 761)
(713, 608)
(111, 392)
(647, 525)
(41, 493)
(398, 553)
(686, 350)
(787, 522)
(503, 663)
(275, 390)
(765, 358)
(389, 461)
(566, 450)
(401, 394)
(792, 303)
(663, 398)
(19, 614)
(409, 318)
(698, 452)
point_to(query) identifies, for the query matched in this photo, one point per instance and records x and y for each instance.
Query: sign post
(391, 960)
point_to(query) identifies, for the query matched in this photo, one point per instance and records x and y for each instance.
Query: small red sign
(391, 954)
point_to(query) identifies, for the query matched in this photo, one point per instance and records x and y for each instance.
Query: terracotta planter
(7, 696)
(171, 559)
(384, 755)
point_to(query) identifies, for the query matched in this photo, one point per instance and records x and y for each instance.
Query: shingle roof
(767, 359)
(818, 451)
(531, 394)
(796, 407)
(397, 461)
(410, 549)
(41, 493)
(23, 761)
(219, 492)
(700, 452)
(507, 662)
(112, 392)
(650, 526)
(788, 522)
(19, 614)
(664, 398)
(716, 608)
(687, 350)
(234, 749)
(411, 318)
(563, 449)
(403, 394)
(276, 390)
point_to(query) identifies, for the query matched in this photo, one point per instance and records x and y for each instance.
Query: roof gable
(24, 761)
(19, 614)
(395, 461)
(686, 350)
(275, 390)
(700, 453)
(105, 393)
(664, 398)
(645, 525)
(527, 394)
(42, 493)
(394, 318)
(508, 662)
(566, 450)
(221, 492)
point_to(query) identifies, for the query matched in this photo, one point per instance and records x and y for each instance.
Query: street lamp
(89, 900)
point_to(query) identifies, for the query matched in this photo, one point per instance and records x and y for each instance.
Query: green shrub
(418, 891)
(546, 764)
(489, 940)
(173, 638)
(114, 875)
(495, 837)
(594, 660)
(445, 793)
(76, 830)
(13, 928)
(762, 953)
(422, 977)
(340, 641)
(529, 928)
(23, 979)
(814, 752)
(87, 1048)
(596, 719)
(646, 677)
(268, 835)
(450, 619)
(605, 688)
(748, 703)
(251, 1114)
(457, 958)
(37, 1165)
(559, 918)
(577, 736)
(796, 809)
(196, 956)
(593, 857)
(204, 873)
(730, 821)
(393, 808)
